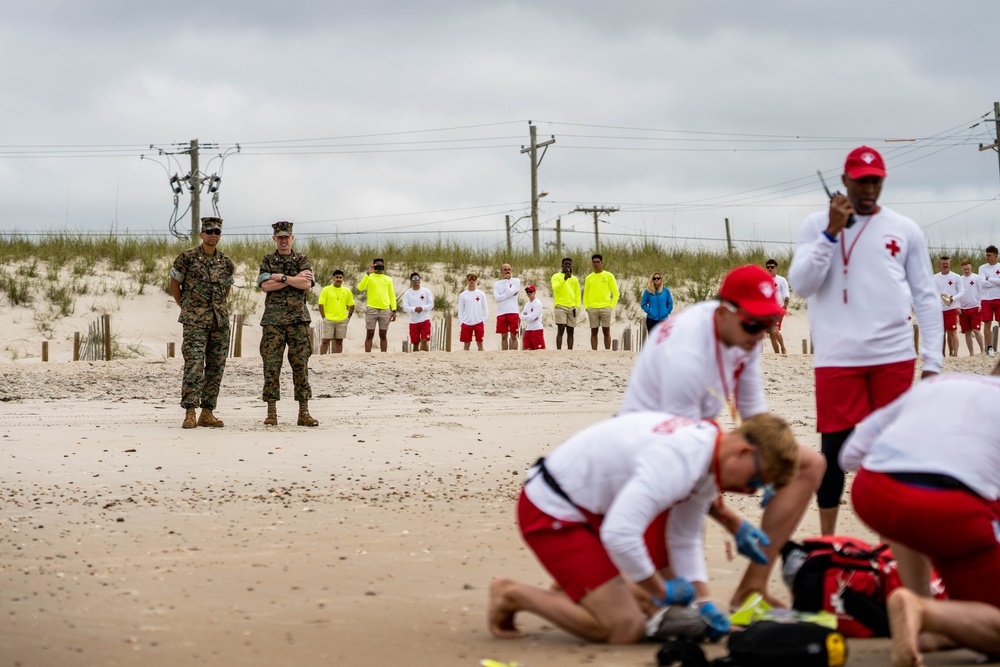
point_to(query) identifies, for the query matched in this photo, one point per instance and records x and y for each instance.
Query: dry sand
(370, 540)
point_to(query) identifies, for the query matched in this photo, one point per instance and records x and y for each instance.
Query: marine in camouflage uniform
(200, 281)
(286, 276)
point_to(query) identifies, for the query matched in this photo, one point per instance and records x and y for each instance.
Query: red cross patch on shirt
(421, 297)
(949, 282)
(477, 298)
(893, 247)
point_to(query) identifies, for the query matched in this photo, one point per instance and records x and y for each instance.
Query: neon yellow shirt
(335, 301)
(565, 291)
(600, 290)
(381, 294)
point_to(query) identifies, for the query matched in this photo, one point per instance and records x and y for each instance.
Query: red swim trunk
(509, 323)
(950, 319)
(465, 335)
(846, 395)
(573, 553)
(990, 310)
(420, 331)
(534, 339)
(781, 318)
(969, 319)
(960, 532)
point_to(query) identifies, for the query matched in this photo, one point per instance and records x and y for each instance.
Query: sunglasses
(749, 324)
(657, 278)
(414, 280)
(213, 232)
(757, 481)
(771, 266)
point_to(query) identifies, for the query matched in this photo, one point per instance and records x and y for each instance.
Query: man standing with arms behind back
(952, 289)
(505, 292)
(565, 302)
(990, 291)
(857, 264)
(968, 307)
(200, 281)
(336, 305)
(286, 276)
(600, 296)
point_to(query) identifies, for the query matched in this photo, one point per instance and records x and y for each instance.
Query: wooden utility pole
(729, 239)
(536, 161)
(596, 210)
(559, 236)
(510, 247)
(194, 184)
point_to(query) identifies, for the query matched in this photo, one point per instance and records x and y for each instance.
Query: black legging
(832, 486)
(650, 323)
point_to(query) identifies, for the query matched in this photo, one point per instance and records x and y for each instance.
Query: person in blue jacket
(656, 302)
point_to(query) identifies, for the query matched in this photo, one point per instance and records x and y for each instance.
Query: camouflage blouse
(288, 305)
(204, 280)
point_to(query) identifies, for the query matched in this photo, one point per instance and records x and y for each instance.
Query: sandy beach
(370, 540)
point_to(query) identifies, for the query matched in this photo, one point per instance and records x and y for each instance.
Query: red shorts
(990, 310)
(465, 335)
(534, 340)
(969, 319)
(958, 531)
(781, 318)
(573, 553)
(509, 323)
(420, 331)
(950, 319)
(846, 395)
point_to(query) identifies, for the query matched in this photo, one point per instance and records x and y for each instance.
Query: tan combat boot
(304, 418)
(190, 418)
(208, 419)
(272, 414)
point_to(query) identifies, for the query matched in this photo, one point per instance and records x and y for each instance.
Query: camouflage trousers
(204, 350)
(298, 338)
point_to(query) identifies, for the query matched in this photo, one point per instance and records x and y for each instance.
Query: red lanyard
(716, 470)
(731, 399)
(845, 252)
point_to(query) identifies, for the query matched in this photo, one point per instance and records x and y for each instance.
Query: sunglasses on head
(749, 324)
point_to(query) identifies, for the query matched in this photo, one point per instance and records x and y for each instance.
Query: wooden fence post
(45, 350)
(170, 350)
(106, 319)
(238, 345)
(447, 332)
(76, 346)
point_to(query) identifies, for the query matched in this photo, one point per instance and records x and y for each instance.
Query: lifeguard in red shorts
(418, 302)
(534, 330)
(929, 480)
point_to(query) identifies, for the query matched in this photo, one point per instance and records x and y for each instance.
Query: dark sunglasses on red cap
(749, 324)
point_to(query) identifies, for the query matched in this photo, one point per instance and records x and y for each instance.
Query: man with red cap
(707, 358)
(861, 267)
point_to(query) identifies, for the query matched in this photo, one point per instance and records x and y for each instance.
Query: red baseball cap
(864, 161)
(752, 289)
(529, 288)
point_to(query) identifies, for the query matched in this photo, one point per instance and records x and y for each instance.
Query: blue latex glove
(749, 539)
(718, 623)
(678, 591)
(769, 493)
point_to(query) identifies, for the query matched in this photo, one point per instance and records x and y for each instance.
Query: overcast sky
(407, 118)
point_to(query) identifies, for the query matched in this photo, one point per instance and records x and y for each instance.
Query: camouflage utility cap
(283, 228)
(211, 223)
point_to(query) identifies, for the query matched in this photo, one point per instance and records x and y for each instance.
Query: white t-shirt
(472, 308)
(629, 469)
(940, 426)
(505, 292)
(781, 291)
(424, 299)
(971, 295)
(990, 289)
(860, 289)
(685, 370)
(531, 315)
(951, 284)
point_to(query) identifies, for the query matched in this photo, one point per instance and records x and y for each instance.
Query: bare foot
(500, 616)
(904, 625)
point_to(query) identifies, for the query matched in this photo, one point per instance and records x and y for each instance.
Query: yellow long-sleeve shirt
(381, 294)
(565, 291)
(600, 290)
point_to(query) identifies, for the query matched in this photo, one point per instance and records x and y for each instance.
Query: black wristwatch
(284, 278)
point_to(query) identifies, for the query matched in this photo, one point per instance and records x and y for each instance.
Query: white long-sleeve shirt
(629, 469)
(472, 308)
(971, 297)
(859, 309)
(505, 292)
(951, 284)
(990, 273)
(685, 370)
(422, 298)
(942, 426)
(781, 291)
(531, 315)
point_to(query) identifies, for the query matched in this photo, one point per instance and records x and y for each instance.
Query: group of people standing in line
(616, 513)
(969, 301)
